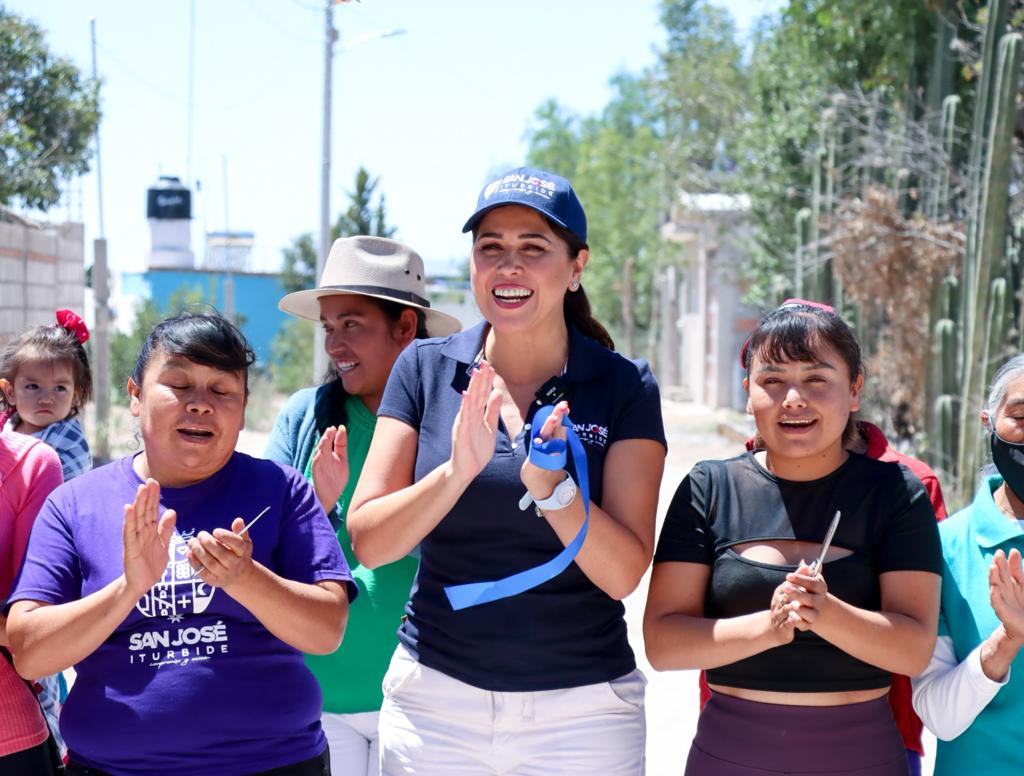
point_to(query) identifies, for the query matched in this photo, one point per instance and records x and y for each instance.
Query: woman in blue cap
(540, 680)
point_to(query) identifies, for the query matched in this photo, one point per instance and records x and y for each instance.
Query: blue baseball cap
(549, 194)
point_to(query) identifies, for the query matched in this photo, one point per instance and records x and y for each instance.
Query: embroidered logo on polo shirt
(592, 434)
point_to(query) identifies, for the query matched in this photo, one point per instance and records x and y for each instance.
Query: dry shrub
(888, 265)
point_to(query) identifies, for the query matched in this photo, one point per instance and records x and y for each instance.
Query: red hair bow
(71, 323)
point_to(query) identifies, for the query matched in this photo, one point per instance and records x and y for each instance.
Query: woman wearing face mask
(968, 696)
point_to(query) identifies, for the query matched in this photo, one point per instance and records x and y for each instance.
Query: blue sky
(432, 112)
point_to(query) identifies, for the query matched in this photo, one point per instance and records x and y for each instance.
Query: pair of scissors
(820, 560)
(245, 530)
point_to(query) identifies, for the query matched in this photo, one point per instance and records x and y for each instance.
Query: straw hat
(376, 267)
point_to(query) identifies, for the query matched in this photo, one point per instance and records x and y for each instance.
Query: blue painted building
(255, 293)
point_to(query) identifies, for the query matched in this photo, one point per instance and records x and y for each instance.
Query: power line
(307, 6)
(261, 96)
(275, 24)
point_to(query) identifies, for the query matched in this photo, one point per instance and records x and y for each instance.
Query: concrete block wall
(42, 269)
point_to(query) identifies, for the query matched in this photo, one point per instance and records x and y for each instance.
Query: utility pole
(330, 37)
(101, 302)
(229, 277)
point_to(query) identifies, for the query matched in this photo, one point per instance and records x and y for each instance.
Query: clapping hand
(225, 556)
(330, 466)
(805, 592)
(783, 620)
(1006, 592)
(475, 430)
(146, 537)
(541, 482)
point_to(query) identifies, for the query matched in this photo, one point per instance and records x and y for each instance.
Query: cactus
(996, 327)
(945, 345)
(938, 202)
(803, 218)
(985, 257)
(942, 383)
(947, 433)
(1017, 281)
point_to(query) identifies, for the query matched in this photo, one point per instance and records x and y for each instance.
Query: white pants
(434, 725)
(352, 739)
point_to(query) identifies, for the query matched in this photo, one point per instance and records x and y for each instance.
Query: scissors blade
(825, 545)
(253, 521)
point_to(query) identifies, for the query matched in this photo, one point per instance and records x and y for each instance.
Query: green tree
(298, 265)
(673, 127)
(48, 114)
(611, 160)
(553, 137)
(362, 216)
(292, 347)
(700, 87)
(811, 51)
(125, 347)
(291, 354)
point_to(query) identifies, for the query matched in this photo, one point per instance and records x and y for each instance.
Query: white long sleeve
(948, 696)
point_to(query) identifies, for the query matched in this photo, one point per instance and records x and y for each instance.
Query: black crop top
(887, 523)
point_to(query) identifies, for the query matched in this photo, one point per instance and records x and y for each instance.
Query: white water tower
(169, 211)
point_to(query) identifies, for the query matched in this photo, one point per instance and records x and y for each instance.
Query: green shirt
(350, 677)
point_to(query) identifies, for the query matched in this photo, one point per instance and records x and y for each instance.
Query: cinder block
(12, 270)
(12, 295)
(72, 299)
(71, 272)
(11, 322)
(39, 297)
(42, 272)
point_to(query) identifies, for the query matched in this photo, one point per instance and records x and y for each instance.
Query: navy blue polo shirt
(566, 632)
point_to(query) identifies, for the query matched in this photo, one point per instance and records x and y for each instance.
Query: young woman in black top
(798, 660)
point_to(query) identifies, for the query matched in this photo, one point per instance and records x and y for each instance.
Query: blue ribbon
(550, 455)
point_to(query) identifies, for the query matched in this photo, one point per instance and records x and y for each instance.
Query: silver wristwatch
(561, 497)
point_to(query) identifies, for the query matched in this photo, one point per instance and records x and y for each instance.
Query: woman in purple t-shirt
(185, 619)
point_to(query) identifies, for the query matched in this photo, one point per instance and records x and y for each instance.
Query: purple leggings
(744, 738)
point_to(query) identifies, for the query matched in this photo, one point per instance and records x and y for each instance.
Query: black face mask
(1009, 460)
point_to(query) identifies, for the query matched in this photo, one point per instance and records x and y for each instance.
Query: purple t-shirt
(190, 682)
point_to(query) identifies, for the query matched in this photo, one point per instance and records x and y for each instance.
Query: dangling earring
(574, 286)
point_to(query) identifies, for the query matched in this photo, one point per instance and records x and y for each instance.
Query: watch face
(566, 492)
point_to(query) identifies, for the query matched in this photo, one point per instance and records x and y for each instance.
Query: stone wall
(42, 269)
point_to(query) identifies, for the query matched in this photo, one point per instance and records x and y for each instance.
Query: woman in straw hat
(531, 678)
(371, 303)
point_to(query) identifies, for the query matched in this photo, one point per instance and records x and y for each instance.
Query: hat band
(405, 296)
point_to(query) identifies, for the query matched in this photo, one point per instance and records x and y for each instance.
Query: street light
(332, 35)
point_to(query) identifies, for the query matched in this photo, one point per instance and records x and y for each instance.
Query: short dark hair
(208, 339)
(796, 332)
(51, 343)
(393, 311)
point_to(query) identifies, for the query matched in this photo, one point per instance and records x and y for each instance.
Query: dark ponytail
(577, 312)
(576, 306)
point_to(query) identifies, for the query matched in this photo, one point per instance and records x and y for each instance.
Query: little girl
(44, 381)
